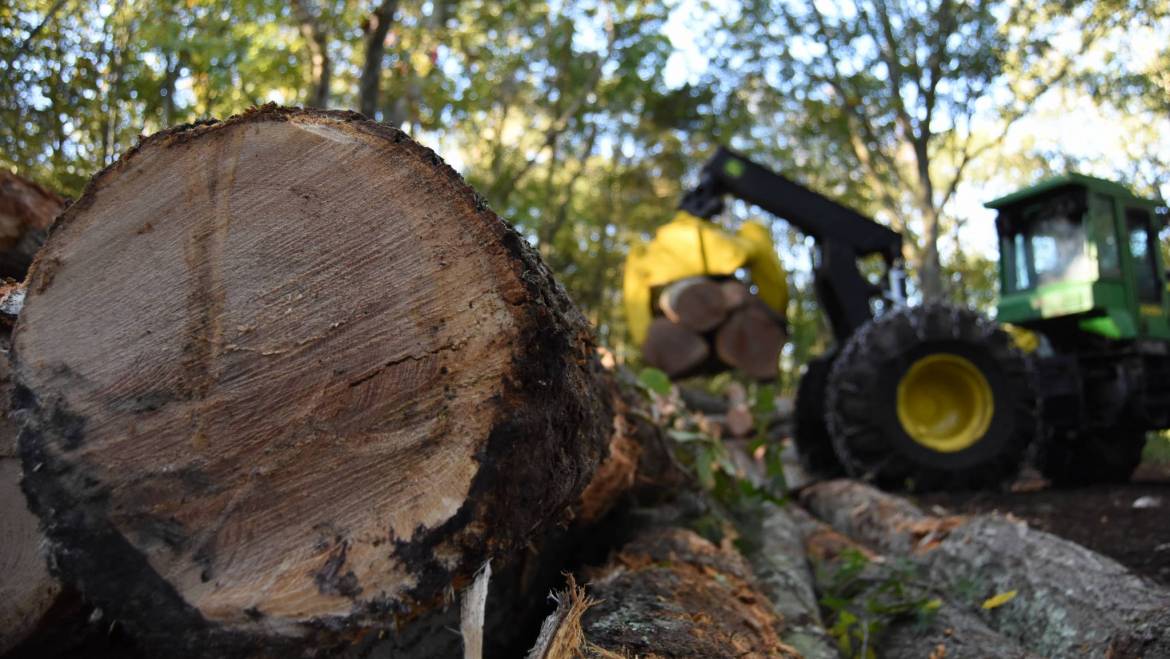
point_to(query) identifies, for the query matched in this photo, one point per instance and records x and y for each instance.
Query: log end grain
(286, 375)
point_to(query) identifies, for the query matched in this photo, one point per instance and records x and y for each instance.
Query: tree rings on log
(287, 378)
(696, 303)
(751, 340)
(673, 348)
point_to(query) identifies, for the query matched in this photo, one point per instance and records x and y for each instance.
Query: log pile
(711, 325)
(325, 403)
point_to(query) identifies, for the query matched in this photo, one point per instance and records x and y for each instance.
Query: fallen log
(26, 211)
(319, 388)
(774, 546)
(893, 614)
(667, 593)
(1058, 598)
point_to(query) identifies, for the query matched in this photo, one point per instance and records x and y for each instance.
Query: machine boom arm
(842, 234)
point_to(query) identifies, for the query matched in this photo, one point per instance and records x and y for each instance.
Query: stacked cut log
(27, 591)
(708, 324)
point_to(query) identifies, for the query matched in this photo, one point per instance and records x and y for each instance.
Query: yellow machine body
(689, 246)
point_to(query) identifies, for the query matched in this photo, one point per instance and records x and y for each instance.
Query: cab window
(1141, 247)
(1108, 254)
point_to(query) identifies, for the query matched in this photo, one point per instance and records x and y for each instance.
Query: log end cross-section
(286, 376)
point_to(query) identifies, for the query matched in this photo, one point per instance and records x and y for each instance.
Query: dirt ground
(1103, 517)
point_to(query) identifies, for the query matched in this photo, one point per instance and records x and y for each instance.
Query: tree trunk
(319, 388)
(1067, 599)
(930, 275)
(26, 212)
(317, 41)
(376, 26)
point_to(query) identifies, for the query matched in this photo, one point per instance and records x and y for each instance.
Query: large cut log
(287, 379)
(26, 211)
(667, 593)
(1062, 599)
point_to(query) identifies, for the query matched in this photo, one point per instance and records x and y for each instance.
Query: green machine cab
(1081, 266)
(1082, 254)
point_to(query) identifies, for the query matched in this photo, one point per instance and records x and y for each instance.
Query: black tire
(1094, 456)
(811, 433)
(862, 394)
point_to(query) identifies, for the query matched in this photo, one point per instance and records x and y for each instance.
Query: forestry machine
(1073, 373)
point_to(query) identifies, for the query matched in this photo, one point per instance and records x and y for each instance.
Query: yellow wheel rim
(945, 403)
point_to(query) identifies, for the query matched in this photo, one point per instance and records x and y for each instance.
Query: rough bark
(26, 211)
(775, 550)
(319, 388)
(1069, 600)
(671, 593)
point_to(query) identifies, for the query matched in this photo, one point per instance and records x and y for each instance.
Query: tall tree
(316, 33)
(907, 90)
(375, 27)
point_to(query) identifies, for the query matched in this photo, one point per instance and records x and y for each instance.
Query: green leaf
(764, 401)
(703, 463)
(654, 380)
(684, 436)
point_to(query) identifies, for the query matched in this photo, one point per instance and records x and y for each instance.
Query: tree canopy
(583, 122)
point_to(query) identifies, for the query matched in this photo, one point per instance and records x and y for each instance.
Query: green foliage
(575, 119)
(861, 602)
(705, 455)
(1157, 449)
(655, 381)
